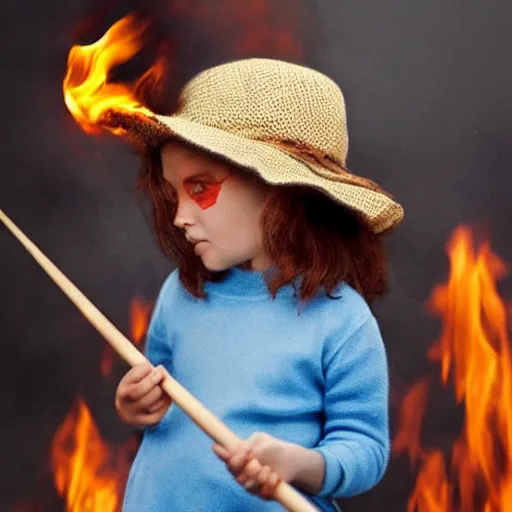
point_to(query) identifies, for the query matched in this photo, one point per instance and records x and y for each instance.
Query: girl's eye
(205, 194)
(198, 188)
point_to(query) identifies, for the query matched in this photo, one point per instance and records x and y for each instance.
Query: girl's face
(218, 208)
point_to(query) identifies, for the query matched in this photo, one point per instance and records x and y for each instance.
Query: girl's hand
(140, 400)
(260, 463)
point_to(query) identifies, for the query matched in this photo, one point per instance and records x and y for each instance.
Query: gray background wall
(428, 91)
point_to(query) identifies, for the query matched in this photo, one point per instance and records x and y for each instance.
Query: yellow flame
(79, 460)
(87, 92)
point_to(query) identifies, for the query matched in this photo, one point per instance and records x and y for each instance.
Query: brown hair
(304, 234)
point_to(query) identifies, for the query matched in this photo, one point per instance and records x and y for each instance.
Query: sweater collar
(244, 283)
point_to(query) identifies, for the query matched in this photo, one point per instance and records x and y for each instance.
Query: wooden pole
(206, 420)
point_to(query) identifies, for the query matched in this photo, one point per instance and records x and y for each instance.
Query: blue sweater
(318, 379)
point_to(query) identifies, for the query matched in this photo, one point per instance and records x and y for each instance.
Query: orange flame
(475, 349)
(254, 27)
(410, 419)
(80, 463)
(87, 92)
(140, 313)
(87, 473)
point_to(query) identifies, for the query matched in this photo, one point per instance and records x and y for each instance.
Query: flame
(80, 462)
(254, 27)
(410, 418)
(87, 473)
(140, 313)
(87, 92)
(474, 349)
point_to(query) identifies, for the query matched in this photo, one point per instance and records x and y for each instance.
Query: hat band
(323, 164)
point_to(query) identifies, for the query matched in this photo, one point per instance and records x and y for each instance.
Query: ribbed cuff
(334, 473)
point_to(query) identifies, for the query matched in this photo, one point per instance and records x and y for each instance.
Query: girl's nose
(184, 214)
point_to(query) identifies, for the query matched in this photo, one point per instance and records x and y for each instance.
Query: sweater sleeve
(355, 445)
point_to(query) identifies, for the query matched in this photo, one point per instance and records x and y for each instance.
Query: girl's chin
(215, 265)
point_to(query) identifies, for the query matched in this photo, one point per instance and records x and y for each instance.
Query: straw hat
(284, 121)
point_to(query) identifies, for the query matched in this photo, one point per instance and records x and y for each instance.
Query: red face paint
(205, 191)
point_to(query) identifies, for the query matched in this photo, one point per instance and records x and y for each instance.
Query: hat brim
(274, 165)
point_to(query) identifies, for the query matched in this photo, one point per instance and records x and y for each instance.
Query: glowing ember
(87, 92)
(80, 462)
(474, 349)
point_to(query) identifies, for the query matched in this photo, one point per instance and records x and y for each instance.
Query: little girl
(266, 318)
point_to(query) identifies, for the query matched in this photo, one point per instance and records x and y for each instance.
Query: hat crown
(270, 100)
